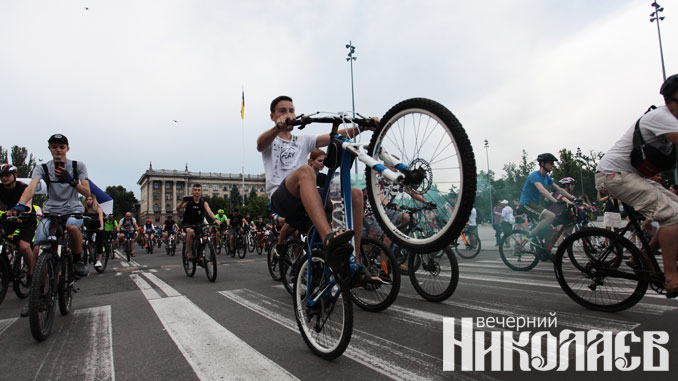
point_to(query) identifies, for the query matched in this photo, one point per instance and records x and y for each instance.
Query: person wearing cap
(10, 193)
(507, 218)
(65, 184)
(623, 181)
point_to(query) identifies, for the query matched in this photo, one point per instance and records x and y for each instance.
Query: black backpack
(46, 173)
(647, 159)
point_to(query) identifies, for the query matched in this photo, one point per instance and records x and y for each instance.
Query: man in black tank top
(195, 211)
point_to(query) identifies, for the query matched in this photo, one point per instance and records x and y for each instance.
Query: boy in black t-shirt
(195, 209)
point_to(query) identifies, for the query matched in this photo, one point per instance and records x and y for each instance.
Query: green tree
(217, 202)
(3, 155)
(123, 200)
(235, 196)
(253, 193)
(566, 166)
(258, 206)
(23, 161)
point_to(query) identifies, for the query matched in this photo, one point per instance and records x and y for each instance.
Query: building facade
(163, 189)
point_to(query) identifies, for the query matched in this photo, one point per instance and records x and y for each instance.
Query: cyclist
(473, 226)
(224, 224)
(235, 223)
(535, 187)
(623, 181)
(10, 192)
(195, 209)
(95, 227)
(291, 184)
(65, 180)
(260, 227)
(169, 227)
(149, 231)
(110, 227)
(127, 225)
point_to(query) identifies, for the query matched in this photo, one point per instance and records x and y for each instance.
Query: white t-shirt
(283, 157)
(472, 218)
(507, 215)
(652, 125)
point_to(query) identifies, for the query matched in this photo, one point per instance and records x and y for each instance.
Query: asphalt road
(147, 320)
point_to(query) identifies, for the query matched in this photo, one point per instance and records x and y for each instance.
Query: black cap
(58, 138)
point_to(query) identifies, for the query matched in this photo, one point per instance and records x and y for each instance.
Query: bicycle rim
(427, 138)
(518, 252)
(210, 262)
(379, 261)
(434, 275)
(273, 261)
(20, 281)
(293, 250)
(468, 248)
(64, 287)
(327, 327)
(189, 266)
(587, 273)
(42, 296)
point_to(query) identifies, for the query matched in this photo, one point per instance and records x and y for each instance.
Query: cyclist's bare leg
(546, 218)
(189, 242)
(301, 184)
(25, 250)
(74, 239)
(669, 244)
(357, 206)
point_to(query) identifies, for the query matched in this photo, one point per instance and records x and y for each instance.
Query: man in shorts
(535, 187)
(615, 173)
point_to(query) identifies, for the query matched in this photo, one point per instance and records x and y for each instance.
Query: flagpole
(242, 146)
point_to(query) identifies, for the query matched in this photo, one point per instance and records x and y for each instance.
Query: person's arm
(267, 137)
(101, 217)
(209, 213)
(563, 192)
(181, 205)
(545, 192)
(83, 187)
(29, 192)
(601, 199)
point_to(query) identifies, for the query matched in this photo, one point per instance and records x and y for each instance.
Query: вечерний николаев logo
(500, 344)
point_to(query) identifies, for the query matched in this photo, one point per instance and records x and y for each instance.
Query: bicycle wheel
(467, 245)
(588, 273)
(42, 296)
(430, 141)
(20, 275)
(104, 257)
(518, 252)
(210, 262)
(326, 325)
(401, 256)
(379, 261)
(4, 278)
(273, 262)
(250, 243)
(189, 265)
(434, 275)
(242, 247)
(291, 252)
(260, 247)
(65, 285)
(128, 248)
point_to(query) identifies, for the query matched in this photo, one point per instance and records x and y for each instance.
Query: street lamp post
(654, 16)
(487, 158)
(350, 59)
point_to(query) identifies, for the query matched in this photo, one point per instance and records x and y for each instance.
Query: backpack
(46, 173)
(647, 159)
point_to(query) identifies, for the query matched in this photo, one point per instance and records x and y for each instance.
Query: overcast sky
(538, 75)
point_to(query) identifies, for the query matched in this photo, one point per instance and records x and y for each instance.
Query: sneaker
(25, 312)
(80, 270)
(98, 264)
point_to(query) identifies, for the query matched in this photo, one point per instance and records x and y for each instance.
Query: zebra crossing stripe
(5, 323)
(211, 350)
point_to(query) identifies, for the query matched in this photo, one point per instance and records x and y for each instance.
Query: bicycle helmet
(220, 211)
(7, 169)
(148, 220)
(567, 180)
(669, 88)
(546, 157)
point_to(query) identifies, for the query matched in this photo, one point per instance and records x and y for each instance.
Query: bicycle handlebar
(302, 121)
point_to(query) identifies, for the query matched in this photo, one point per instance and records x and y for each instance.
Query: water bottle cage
(333, 152)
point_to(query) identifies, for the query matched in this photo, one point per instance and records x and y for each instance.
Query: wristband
(21, 207)
(360, 128)
(67, 178)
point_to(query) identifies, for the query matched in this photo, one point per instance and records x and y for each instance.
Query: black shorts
(26, 229)
(289, 207)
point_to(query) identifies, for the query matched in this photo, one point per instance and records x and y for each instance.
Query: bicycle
(521, 253)
(439, 166)
(171, 246)
(272, 256)
(53, 277)
(206, 259)
(251, 239)
(150, 238)
(469, 246)
(129, 241)
(593, 275)
(89, 252)
(13, 269)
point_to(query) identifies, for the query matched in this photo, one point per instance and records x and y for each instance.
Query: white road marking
(5, 323)
(98, 364)
(213, 352)
(145, 288)
(383, 356)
